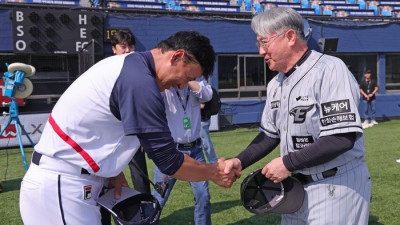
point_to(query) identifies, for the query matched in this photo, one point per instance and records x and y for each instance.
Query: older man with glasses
(312, 112)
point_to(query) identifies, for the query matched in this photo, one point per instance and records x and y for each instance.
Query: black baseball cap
(261, 195)
(133, 208)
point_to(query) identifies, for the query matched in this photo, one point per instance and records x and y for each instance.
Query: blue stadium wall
(236, 36)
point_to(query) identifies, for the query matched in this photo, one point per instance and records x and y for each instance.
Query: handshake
(228, 171)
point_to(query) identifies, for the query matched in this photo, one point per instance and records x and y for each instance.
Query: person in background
(183, 115)
(368, 89)
(99, 123)
(122, 41)
(312, 113)
(208, 109)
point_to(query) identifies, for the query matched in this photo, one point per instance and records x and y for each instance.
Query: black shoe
(1, 187)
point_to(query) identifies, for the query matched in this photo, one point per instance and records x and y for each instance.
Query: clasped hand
(228, 172)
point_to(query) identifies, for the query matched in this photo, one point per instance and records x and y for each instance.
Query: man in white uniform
(99, 123)
(312, 112)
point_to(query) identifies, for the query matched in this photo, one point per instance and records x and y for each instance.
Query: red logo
(10, 132)
(87, 192)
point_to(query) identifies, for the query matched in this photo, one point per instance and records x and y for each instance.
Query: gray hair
(278, 19)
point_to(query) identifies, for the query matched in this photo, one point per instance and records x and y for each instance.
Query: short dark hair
(367, 71)
(123, 35)
(194, 43)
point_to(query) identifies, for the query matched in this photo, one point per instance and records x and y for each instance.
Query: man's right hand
(228, 172)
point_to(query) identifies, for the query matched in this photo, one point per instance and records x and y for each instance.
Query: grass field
(382, 150)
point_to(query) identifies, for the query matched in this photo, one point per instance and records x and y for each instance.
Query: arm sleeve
(323, 150)
(161, 148)
(261, 146)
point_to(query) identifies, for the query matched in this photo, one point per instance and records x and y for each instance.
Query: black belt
(36, 160)
(190, 145)
(306, 179)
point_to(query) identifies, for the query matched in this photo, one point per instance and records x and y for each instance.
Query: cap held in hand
(133, 208)
(261, 195)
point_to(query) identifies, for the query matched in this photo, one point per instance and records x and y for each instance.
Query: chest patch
(275, 104)
(299, 113)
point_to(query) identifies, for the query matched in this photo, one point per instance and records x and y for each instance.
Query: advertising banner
(33, 124)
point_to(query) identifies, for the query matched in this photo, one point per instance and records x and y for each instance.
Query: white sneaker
(398, 161)
(374, 122)
(365, 122)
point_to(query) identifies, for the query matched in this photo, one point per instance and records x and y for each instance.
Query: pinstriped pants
(343, 199)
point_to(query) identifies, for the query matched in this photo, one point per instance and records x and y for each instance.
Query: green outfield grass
(382, 147)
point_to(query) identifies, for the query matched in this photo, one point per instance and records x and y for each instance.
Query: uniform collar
(301, 61)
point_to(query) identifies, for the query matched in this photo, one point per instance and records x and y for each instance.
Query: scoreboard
(56, 31)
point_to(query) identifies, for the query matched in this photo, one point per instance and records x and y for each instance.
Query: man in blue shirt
(183, 114)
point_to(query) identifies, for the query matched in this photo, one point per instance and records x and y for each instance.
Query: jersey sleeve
(339, 98)
(136, 98)
(204, 94)
(271, 109)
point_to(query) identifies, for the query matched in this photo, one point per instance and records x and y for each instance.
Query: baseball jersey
(319, 98)
(95, 122)
(183, 110)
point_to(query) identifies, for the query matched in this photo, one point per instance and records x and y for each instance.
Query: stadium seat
(305, 3)
(257, 6)
(385, 10)
(326, 9)
(374, 6)
(265, 6)
(247, 5)
(396, 14)
(361, 3)
(316, 7)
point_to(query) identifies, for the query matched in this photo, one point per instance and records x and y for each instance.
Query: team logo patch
(348, 117)
(300, 142)
(275, 104)
(87, 192)
(299, 113)
(335, 107)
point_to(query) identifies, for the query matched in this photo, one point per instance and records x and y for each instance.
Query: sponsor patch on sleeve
(348, 117)
(335, 107)
(300, 142)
